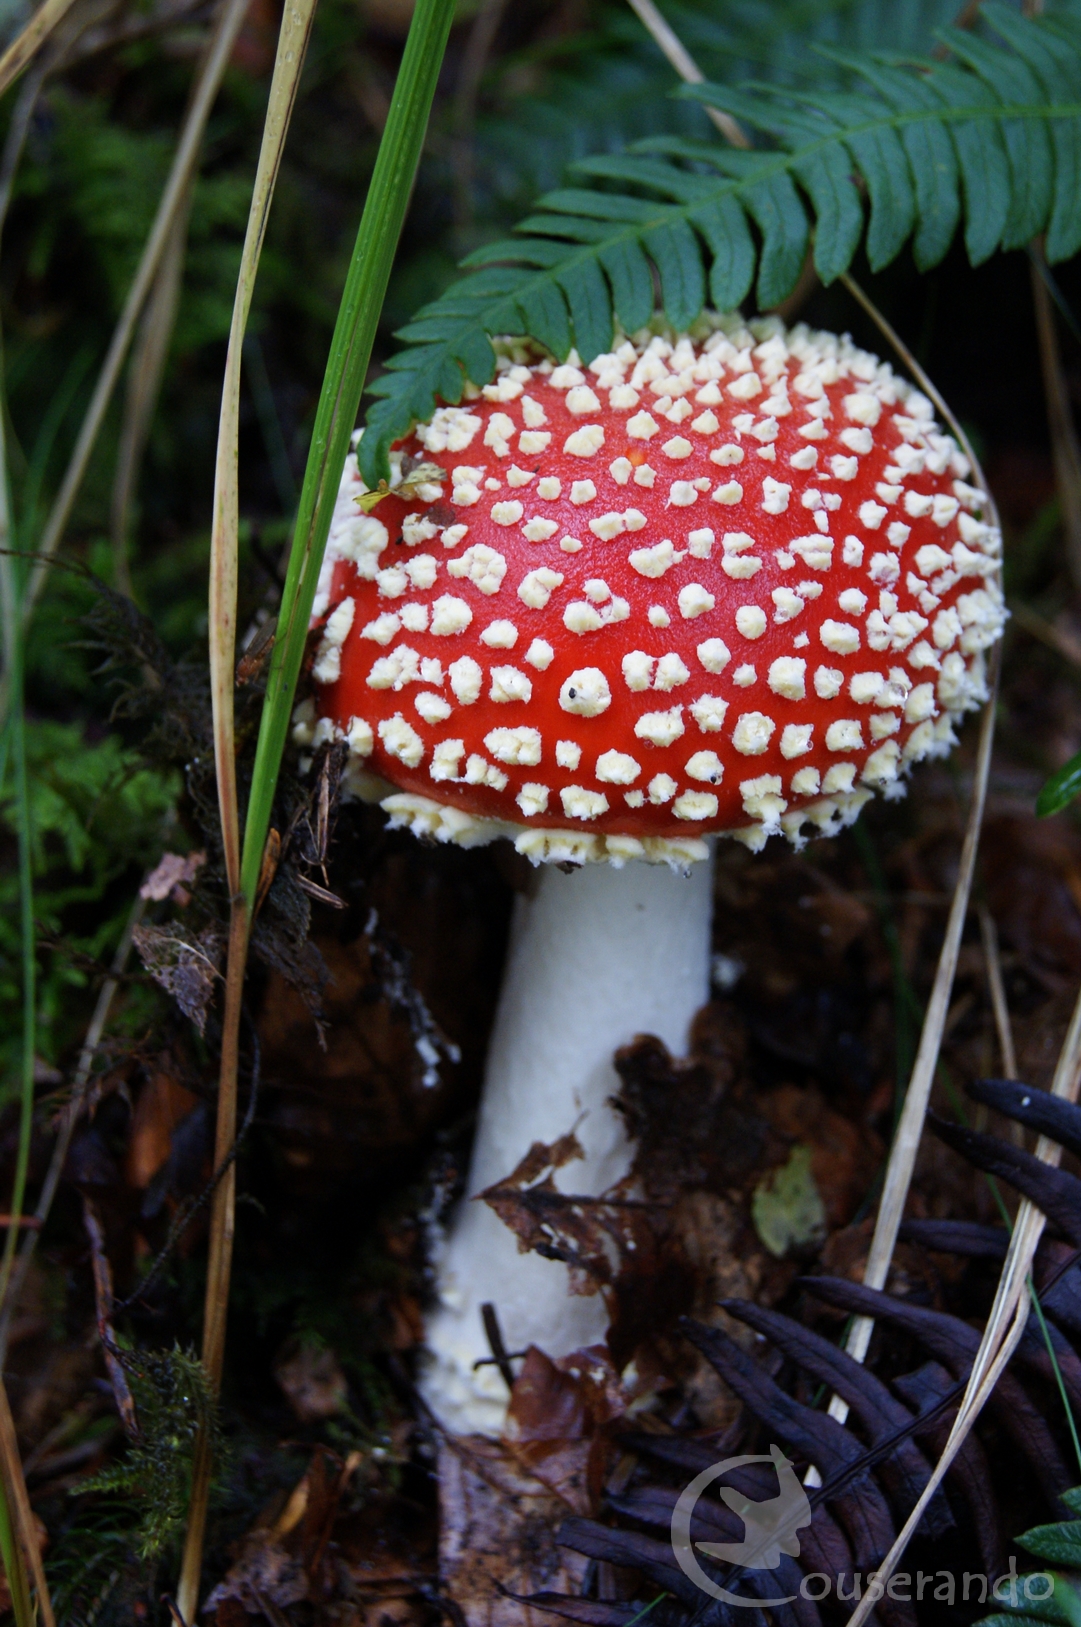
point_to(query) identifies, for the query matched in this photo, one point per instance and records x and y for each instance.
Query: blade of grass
(362, 301)
(354, 332)
(292, 47)
(14, 1569)
(9, 592)
(226, 28)
(12, 587)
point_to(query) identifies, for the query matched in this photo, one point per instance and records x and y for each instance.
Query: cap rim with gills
(733, 581)
(787, 609)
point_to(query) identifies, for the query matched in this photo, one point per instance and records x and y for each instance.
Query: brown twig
(220, 1259)
(226, 28)
(997, 989)
(103, 1299)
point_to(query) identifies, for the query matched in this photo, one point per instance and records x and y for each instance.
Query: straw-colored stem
(292, 46)
(354, 332)
(906, 1139)
(22, 50)
(11, 1471)
(220, 1259)
(997, 990)
(685, 65)
(149, 354)
(226, 28)
(1008, 1317)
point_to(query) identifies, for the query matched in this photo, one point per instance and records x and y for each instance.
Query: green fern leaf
(1044, 1597)
(989, 139)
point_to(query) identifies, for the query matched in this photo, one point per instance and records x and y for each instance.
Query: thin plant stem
(997, 990)
(12, 587)
(23, 50)
(226, 28)
(14, 1569)
(354, 332)
(289, 60)
(12, 581)
(369, 272)
(18, 1500)
(292, 46)
(68, 1120)
(1008, 1318)
(906, 1140)
(149, 355)
(220, 1258)
(1059, 1381)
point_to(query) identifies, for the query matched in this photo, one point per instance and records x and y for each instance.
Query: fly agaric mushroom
(729, 582)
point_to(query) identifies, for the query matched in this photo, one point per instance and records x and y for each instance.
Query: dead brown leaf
(184, 964)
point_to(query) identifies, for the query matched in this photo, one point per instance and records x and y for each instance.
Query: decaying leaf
(184, 964)
(422, 482)
(265, 1572)
(556, 1418)
(498, 1535)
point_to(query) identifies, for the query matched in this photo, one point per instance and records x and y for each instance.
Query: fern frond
(990, 136)
(1044, 1597)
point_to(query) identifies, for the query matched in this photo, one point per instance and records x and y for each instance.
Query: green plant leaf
(1060, 789)
(989, 139)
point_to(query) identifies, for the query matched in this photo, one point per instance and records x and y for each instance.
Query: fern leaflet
(990, 136)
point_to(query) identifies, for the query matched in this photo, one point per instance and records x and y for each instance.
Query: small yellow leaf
(787, 1208)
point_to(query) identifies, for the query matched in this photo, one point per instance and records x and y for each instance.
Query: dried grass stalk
(149, 355)
(292, 48)
(292, 45)
(1008, 1317)
(22, 50)
(226, 28)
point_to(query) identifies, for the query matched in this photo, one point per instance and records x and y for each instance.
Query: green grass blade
(1060, 789)
(366, 284)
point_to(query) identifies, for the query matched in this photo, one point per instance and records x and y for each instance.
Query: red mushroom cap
(727, 584)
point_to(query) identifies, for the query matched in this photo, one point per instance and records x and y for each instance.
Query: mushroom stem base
(595, 957)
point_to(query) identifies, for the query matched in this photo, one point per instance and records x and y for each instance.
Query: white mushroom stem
(595, 957)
